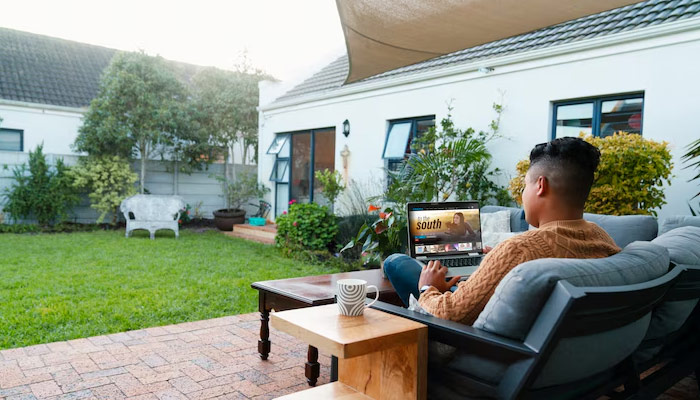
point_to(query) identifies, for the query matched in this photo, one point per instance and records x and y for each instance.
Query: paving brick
(45, 389)
(85, 384)
(108, 392)
(248, 388)
(84, 365)
(186, 384)
(221, 380)
(81, 394)
(15, 391)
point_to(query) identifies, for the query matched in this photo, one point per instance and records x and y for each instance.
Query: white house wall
(664, 68)
(57, 129)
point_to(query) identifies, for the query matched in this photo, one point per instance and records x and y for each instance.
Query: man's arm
(470, 298)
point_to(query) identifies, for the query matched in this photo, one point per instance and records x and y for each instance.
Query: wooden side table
(380, 356)
(309, 291)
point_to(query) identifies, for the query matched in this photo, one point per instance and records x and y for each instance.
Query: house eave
(40, 106)
(582, 45)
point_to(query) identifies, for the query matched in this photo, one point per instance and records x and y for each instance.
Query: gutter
(587, 44)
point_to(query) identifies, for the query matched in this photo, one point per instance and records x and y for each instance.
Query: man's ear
(542, 185)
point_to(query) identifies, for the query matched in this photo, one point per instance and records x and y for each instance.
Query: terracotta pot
(224, 219)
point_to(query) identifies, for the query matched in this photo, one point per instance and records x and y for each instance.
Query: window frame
(597, 110)
(284, 137)
(273, 174)
(21, 137)
(390, 162)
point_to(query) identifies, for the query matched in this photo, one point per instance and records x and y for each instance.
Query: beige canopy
(382, 35)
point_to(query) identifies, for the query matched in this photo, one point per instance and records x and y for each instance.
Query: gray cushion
(521, 294)
(683, 245)
(625, 229)
(517, 216)
(677, 221)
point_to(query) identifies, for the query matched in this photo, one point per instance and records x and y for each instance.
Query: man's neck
(560, 215)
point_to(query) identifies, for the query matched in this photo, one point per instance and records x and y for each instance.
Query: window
(401, 133)
(11, 139)
(600, 116)
(298, 156)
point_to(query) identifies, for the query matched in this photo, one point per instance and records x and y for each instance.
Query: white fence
(198, 188)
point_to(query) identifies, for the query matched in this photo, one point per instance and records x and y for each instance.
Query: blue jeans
(403, 273)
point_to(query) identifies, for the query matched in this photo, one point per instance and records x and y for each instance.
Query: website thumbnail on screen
(444, 231)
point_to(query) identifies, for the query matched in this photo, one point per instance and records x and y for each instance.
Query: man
(557, 185)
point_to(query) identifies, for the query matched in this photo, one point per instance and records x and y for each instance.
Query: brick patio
(211, 359)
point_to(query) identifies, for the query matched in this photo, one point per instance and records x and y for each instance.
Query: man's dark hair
(569, 164)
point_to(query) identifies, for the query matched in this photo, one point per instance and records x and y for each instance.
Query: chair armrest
(462, 336)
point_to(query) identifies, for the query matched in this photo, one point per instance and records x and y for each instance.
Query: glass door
(324, 158)
(301, 167)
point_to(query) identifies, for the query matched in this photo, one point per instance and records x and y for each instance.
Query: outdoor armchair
(555, 328)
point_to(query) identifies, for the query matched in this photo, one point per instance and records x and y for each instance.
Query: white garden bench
(151, 213)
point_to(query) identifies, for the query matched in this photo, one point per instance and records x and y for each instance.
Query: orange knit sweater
(557, 239)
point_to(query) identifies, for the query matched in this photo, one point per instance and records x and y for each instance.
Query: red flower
(372, 208)
(179, 221)
(382, 215)
(295, 223)
(284, 212)
(292, 201)
(381, 227)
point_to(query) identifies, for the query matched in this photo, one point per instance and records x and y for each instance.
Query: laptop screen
(444, 229)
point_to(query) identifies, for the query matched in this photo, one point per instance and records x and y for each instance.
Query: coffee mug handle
(376, 297)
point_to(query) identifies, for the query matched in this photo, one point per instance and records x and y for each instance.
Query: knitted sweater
(556, 239)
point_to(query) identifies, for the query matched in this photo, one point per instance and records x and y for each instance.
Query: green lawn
(65, 286)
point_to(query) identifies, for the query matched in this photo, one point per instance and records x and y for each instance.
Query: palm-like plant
(693, 157)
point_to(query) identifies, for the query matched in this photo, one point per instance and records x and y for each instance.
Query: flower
(179, 221)
(284, 212)
(382, 215)
(295, 223)
(292, 201)
(372, 208)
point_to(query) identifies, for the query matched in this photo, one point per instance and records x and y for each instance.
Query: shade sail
(382, 35)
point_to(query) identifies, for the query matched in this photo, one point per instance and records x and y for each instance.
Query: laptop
(445, 231)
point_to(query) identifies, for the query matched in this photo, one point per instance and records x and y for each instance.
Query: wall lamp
(346, 128)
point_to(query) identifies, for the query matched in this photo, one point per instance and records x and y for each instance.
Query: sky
(289, 39)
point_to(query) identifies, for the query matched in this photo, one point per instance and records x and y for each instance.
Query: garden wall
(161, 179)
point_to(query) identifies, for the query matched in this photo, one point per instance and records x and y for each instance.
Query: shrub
(108, 179)
(381, 237)
(306, 226)
(332, 184)
(46, 193)
(629, 178)
(348, 226)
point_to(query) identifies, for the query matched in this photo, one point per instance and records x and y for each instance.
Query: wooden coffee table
(309, 291)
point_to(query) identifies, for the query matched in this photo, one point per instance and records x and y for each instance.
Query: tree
(225, 105)
(141, 108)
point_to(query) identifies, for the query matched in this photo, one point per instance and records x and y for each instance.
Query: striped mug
(351, 296)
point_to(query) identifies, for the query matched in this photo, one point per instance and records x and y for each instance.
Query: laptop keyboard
(460, 262)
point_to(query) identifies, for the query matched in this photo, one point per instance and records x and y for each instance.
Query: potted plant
(236, 193)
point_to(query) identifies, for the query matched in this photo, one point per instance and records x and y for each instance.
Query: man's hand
(434, 274)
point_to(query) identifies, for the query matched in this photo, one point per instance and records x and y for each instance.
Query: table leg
(313, 368)
(264, 342)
